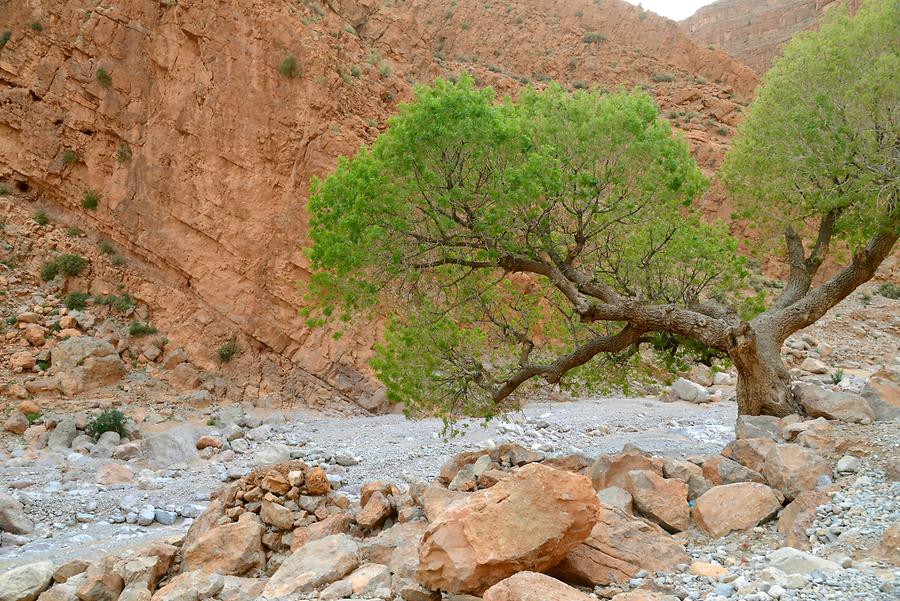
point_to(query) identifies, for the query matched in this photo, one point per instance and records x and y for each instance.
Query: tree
(517, 242)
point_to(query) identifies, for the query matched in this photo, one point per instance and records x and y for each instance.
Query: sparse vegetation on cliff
(65, 264)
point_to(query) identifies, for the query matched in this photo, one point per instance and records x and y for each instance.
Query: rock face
(754, 32)
(724, 509)
(217, 220)
(25, 583)
(527, 522)
(313, 566)
(619, 547)
(531, 586)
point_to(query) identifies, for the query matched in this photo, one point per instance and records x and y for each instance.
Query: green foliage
(76, 300)
(120, 303)
(106, 247)
(69, 156)
(4, 38)
(822, 135)
(662, 77)
(90, 200)
(836, 376)
(227, 351)
(139, 329)
(123, 152)
(40, 217)
(384, 70)
(593, 37)
(110, 420)
(103, 78)
(35, 26)
(32, 417)
(289, 67)
(65, 264)
(73, 232)
(423, 219)
(4, 189)
(889, 290)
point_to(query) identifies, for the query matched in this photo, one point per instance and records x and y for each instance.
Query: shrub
(110, 420)
(67, 264)
(4, 190)
(722, 131)
(73, 232)
(123, 152)
(90, 200)
(579, 85)
(76, 300)
(355, 71)
(103, 78)
(32, 417)
(117, 260)
(289, 67)
(106, 247)
(384, 70)
(69, 156)
(35, 26)
(4, 38)
(663, 77)
(138, 329)
(120, 303)
(837, 375)
(227, 351)
(889, 290)
(40, 217)
(592, 37)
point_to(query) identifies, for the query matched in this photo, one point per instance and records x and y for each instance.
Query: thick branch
(802, 268)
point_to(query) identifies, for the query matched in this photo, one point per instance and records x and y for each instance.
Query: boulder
(830, 404)
(12, 516)
(313, 566)
(799, 516)
(16, 423)
(758, 426)
(26, 582)
(531, 586)
(276, 516)
(338, 523)
(612, 469)
(814, 366)
(191, 586)
(794, 561)
(685, 390)
(87, 363)
(749, 452)
(114, 473)
(617, 497)
(104, 585)
(738, 506)
(376, 511)
(720, 470)
(618, 548)
(231, 549)
(61, 437)
(662, 500)
(317, 482)
(792, 469)
(527, 522)
(882, 391)
(173, 446)
(23, 360)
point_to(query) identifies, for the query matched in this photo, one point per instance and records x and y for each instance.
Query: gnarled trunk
(764, 384)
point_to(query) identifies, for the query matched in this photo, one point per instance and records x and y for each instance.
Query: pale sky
(674, 9)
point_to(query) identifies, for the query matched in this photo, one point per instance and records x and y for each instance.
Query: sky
(674, 9)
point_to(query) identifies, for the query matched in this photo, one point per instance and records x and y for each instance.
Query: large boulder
(685, 390)
(26, 582)
(173, 446)
(230, 549)
(720, 470)
(794, 561)
(799, 516)
(85, 363)
(612, 469)
(738, 506)
(830, 404)
(12, 516)
(757, 426)
(619, 547)
(749, 452)
(882, 391)
(313, 566)
(662, 500)
(792, 469)
(191, 586)
(527, 522)
(531, 586)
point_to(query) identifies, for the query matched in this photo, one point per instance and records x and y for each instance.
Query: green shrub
(40, 217)
(663, 77)
(90, 200)
(76, 300)
(4, 190)
(32, 417)
(889, 290)
(355, 71)
(120, 303)
(138, 329)
(579, 85)
(35, 26)
(116, 260)
(69, 156)
(67, 264)
(836, 376)
(289, 67)
(227, 351)
(123, 152)
(4, 38)
(73, 232)
(110, 420)
(593, 37)
(384, 70)
(104, 78)
(106, 247)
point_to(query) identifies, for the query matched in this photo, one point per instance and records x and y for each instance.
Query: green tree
(518, 242)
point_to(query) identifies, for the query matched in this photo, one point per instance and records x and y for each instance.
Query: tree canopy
(515, 242)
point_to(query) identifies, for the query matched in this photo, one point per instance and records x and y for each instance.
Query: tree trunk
(763, 384)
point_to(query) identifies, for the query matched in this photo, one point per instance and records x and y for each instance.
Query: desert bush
(65, 264)
(110, 420)
(889, 290)
(593, 37)
(76, 300)
(289, 67)
(663, 77)
(4, 38)
(40, 217)
(103, 78)
(90, 200)
(227, 351)
(123, 152)
(139, 329)
(69, 156)
(35, 26)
